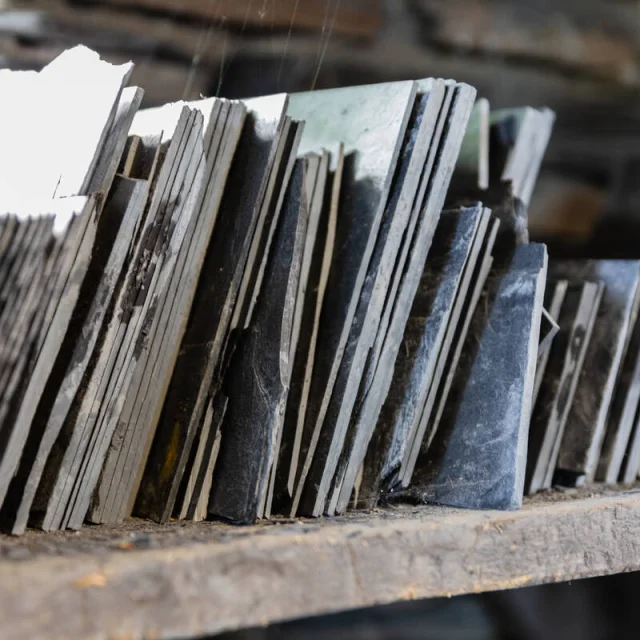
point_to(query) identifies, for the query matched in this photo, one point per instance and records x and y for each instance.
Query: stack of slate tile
(261, 307)
(584, 424)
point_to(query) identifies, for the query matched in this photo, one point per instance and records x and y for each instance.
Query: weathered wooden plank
(107, 29)
(591, 37)
(140, 581)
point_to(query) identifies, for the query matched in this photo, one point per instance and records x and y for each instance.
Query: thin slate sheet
(631, 462)
(77, 248)
(370, 399)
(478, 279)
(372, 143)
(622, 416)
(258, 381)
(125, 452)
(423, 335)
(70, 460)
(316, 263)
(372, 297)
(197, 369)
(585, 429)
(128, 330)
(426, 424)
(555, 398)
(225, 123)
(554, 298)
(479, 455)
(115, 228)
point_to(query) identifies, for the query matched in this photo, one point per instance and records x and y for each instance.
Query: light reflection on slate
(375, 135)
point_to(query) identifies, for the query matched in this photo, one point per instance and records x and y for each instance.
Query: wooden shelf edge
(193, 580)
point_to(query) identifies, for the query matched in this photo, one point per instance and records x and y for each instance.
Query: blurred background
(579, 57)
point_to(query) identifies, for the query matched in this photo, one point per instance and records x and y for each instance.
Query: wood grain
(142, 581)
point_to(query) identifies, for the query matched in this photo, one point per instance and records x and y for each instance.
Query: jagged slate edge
(554, 298)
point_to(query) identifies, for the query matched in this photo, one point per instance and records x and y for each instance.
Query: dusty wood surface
(172, 581)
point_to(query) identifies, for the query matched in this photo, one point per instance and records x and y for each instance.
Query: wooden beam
(353, 17)
(565, 36)
(109, 29)
(142, 581)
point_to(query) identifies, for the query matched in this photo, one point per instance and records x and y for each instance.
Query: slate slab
(197, 369)
(556, 395)
(422, 342)
(554, 297)
(479, 454)
(586, 423)
(258, 380)
(377, 375)
(372, 143)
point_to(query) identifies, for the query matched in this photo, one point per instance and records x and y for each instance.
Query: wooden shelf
(180, 581)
